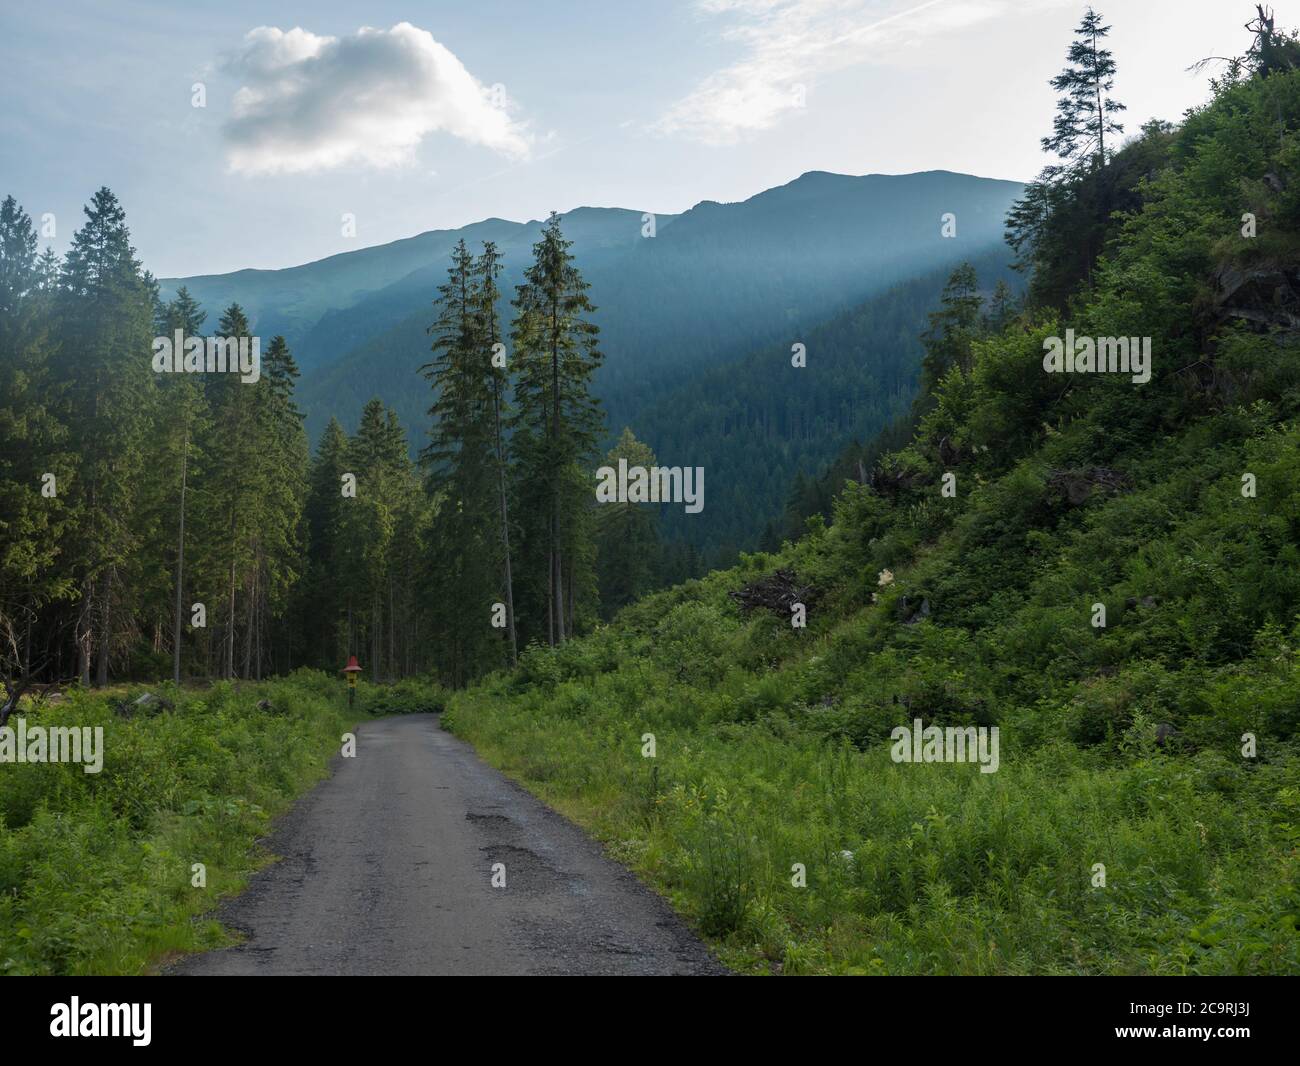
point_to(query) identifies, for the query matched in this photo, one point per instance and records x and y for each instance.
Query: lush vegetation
(1161, 744)
(1104, 570)
(96, 869)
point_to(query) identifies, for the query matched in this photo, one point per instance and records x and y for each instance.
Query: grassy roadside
(912, 869)
(96, 869)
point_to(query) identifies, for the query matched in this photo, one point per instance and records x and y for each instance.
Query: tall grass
(917, 868)
(96, 870)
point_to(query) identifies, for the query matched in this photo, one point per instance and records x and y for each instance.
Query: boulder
(911, 612)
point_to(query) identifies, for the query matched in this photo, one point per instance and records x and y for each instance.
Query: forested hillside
(762, 426)
(1103, 567)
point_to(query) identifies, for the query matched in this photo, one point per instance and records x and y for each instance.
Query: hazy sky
(418, 116)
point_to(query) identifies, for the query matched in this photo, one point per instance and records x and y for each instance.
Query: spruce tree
(463, 464)
(278, 553)
(106, 382)
(377, 456)
(556, 424)
(187, 407)
(1085, 114)
(232, 494)
(321, 617)
(486, 294)
(952, 328)
(1085, 110)
(33, 443)
(18, 277)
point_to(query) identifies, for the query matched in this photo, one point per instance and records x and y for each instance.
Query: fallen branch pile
(777, 592)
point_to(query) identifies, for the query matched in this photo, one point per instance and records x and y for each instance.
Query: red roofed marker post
(352, 669)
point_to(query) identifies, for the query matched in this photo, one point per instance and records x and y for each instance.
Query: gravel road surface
(387, 869)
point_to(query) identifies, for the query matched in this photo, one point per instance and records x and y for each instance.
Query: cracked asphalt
(387, 869)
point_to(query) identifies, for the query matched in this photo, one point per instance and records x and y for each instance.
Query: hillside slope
(1144, 813)
(755, 423)
(326, 308)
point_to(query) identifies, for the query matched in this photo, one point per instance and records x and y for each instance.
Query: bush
(408, 696)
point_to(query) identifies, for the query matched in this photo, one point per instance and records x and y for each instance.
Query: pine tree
(486, 294)
(283, 475)
(377, 457)
(232, 495)
(32, 444)
(185, 402)
(1084, 116)
(952, 328)
(411, 548)
(463, 472)
(18, 277)
(1001, 308)
(321, 617)
(556, 424)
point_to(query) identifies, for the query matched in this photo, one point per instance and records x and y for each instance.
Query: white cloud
(786, 44)
(314, 103)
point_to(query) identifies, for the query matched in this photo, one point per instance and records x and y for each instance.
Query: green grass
(951, 872)
(96, 869)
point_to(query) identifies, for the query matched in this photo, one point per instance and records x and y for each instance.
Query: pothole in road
(526, 871)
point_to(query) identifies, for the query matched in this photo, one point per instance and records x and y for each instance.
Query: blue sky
(418, 116)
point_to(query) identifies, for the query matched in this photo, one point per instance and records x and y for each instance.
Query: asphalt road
(387, 869)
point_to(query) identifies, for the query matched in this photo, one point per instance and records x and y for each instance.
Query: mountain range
(692, 317)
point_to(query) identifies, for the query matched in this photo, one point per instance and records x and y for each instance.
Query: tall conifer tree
(32, 444)
(487, 269)
(556, 423)
(463, 470)
(187, 408)
(107, 384)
